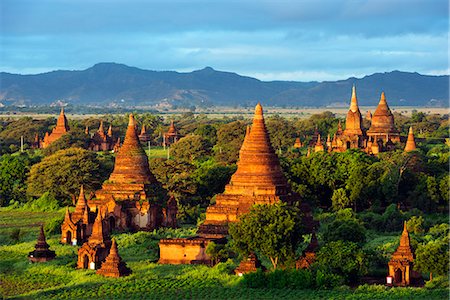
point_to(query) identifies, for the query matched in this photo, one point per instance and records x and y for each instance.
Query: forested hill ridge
(118, 84)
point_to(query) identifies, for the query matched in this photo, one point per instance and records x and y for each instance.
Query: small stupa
(410, 143)
(319, 145)
(249, 265)
(41, 252)
(113, 266)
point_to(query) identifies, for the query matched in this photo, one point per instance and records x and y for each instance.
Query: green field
(59, 279)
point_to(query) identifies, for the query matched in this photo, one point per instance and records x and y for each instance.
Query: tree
(13, 175)
(73, 139)
(433, 258)
(272, 230)
(343, 258)
(61, 174)
(339, 199)
(349, 230)
(208, 133)
(189, 148)
(229, 140)
(281, 132)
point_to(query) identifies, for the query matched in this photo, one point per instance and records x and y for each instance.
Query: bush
(327, 280)
(46, 202)
(438, 282)
(280, 279)
(344, 230)
(392, 219)
(54, 225)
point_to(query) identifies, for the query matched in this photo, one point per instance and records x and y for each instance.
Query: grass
(156, 152)
(58, 279)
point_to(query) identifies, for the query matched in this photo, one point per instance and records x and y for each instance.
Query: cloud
(286, 39)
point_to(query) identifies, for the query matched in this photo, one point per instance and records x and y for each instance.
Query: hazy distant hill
(110, 83)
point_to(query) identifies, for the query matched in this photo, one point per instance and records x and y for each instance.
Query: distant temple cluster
(381, 136)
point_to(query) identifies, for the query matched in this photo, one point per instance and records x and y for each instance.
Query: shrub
(438, 282)
(392, 219)
(415, 224)
(54, 225)
(47, 202)
(327, 280)
(255, 280)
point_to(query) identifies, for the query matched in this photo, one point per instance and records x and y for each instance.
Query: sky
(301, 40)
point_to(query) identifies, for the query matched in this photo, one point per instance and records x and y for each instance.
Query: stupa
(171, 136)
(401, 263)
(410, 143)
(144, 137)
(298, 144)
(249, 265)
(257, 180)
(309, 255)
(101, 141)
(382, 125)
(62, 127)
(113, 266)
(130, 192)
(318, 147)
(41, 253)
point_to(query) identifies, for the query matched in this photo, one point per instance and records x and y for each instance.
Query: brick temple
(61, 128)
(257, 180)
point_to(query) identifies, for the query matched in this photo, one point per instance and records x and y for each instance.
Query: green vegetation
(58, 279)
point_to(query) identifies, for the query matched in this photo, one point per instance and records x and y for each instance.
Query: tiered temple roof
(257, 180)
(62, 127)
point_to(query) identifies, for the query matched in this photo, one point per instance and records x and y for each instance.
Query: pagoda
(102, 141)
(318, 147)
(113, 266)
(41, 252)
(257, 180)
(62, 127)
(410, 143)
(249, 265)
(77, 226)
(130, 192)
(144, 137)
(298, 144)
(402, 261)
(171, 136)
(382, 124)
(93, 252)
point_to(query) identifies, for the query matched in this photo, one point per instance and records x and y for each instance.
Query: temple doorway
(348, 145)
(398, 276)
(112, 223)
(85, 262)
(69, 237)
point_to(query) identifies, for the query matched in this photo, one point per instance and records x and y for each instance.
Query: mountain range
(112, 84)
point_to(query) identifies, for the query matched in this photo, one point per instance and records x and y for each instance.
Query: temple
(382, 128)
(62, 127)
(410, 143)
(257, 180)
(113, 266)
(93, 252)
(298, 144)
(249, 265)
(144, 137)
(402, 262)
(102, 141)
(171, 136)
(130, 193)
(41, 252)
(77, 226)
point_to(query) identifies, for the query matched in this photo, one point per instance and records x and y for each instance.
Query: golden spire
(100, 128)
(110, 130)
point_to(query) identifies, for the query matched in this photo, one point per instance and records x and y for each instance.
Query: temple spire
(410, 143)
(354, 102)
(110, 130)
(81, 203)
(100, 128)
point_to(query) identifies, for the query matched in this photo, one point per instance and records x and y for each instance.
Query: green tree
(433, 258)
(343, 258)
(281, 131)
(339, 199)
(189, 148)
(13, 175)
(229, 140)
(208, 133)
(272, 230)
(73, 139)
(61, 174)
(348, 229)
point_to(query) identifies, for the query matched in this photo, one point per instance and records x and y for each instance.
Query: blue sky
(271, 40)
